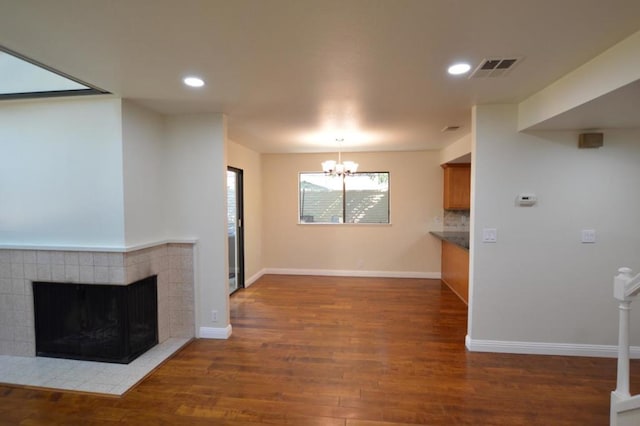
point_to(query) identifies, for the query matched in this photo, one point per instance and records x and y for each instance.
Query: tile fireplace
(172, 263)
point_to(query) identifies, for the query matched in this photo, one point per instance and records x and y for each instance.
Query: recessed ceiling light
(193, 81)
(460, 68)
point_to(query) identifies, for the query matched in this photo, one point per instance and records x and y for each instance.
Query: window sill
(342, 224)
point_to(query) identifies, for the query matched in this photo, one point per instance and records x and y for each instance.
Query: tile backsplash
(456, 220)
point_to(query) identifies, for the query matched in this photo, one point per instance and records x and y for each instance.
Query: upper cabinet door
(457, 186)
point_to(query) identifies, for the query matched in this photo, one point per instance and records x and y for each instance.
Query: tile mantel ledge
(115, 249)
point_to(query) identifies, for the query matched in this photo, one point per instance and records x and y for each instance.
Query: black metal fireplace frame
(96, 322)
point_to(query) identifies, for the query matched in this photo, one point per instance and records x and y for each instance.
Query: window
(21, 77)
(359, 198)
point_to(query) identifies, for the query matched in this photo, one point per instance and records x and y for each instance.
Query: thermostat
(527, 199)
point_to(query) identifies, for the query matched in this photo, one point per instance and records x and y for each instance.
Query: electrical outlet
(214, 315)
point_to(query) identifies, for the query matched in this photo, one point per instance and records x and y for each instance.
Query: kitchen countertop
(461, 239)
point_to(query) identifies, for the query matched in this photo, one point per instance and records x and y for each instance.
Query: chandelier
(339, 168)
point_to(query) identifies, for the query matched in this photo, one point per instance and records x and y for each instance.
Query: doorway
(235, 228)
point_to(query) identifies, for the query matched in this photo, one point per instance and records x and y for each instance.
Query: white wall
(250, 163)
(61, 172)
(614, 68)
(458, 149)
(538, 283)
(197, 207)
(72, 171)
(404, 247)
(144, 160)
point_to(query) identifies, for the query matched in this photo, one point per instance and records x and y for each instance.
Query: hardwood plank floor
(341, 351)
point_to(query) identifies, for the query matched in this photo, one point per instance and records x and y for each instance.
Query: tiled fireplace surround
(172, 262)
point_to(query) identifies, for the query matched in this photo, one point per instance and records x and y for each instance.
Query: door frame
(239, 225)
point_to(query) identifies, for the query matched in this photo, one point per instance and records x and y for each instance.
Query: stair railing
(624, 407)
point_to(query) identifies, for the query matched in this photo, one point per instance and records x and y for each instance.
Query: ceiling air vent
(450, 128)
(495, 67)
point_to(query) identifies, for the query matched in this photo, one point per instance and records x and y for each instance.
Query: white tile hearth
(85, 376)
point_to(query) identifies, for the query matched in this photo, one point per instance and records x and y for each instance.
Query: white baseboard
(214, 332)
(542, 348)
(255, 277)
(353, 273)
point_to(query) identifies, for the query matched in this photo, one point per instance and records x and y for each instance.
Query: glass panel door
(235, 229)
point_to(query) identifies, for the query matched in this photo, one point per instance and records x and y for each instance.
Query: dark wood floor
(341, 351)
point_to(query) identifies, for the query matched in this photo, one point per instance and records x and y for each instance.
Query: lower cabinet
(455, 269)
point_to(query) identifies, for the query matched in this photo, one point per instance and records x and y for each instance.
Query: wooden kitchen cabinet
(457, 186)
(455, 269)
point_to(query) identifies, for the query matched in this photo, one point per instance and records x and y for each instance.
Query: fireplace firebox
(94, 322)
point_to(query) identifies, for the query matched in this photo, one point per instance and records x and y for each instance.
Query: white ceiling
(292, 75)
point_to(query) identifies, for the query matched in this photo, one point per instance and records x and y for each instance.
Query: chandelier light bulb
(339, 168)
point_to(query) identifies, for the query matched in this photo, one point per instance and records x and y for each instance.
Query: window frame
(344, 193)
(88, 89)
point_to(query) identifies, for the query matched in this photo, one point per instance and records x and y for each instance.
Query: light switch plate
(489, 235)
(588, 236)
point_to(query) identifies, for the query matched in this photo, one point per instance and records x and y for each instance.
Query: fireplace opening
(94, 322)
